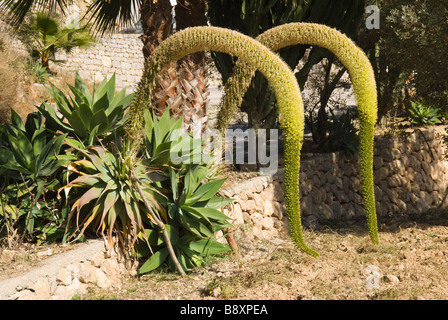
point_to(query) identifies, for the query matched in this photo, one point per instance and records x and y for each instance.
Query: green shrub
(107, 199)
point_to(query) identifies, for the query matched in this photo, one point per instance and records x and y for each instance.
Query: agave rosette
(110, 200)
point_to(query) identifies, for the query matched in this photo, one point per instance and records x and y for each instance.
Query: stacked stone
(410, 177)
(259, 203)
(118, 53)
(411, 173)
(101, 271)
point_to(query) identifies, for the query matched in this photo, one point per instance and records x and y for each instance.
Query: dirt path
(410, 263)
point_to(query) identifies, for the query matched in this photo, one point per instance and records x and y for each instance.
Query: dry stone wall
(119, 53)
(410, 176)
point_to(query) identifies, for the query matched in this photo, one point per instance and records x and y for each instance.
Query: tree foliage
(408, 53)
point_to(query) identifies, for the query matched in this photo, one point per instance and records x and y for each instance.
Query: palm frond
(108, 15)
(14, 11)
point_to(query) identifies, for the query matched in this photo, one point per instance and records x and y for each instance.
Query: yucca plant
(85, 116)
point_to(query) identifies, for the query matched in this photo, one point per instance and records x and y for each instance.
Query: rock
(268, 193)
(267, 223)
(98, 259)
(41, 288)
(7, 256)
(111, 268)
(377, 162)
(325, 211)
(248, 206)
(279, 194)
(257, 220)
(24, 295)
(237, 214)
(279, 209)
(393, 280)
(64, 277)
(268, 209)
(85, 271)
(102, 281)
(382, 173)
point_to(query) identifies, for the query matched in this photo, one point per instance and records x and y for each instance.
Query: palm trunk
(157, 23)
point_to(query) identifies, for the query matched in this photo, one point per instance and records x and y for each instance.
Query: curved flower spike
(361, 75)
(278, 74)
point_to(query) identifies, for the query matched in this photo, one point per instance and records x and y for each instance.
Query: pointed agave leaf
(100, 121)
(208, 213)
(85, 181)
(77, 124)
(62, 103)
(207, 247)
(214, 202)
(154, 261)
(52, 119)
(101, 104)
(81, 91)
(85, 114)
(205, 191)
(121, 99)
(17, 121)
(39, 140)
(22, 149)
(91, 194)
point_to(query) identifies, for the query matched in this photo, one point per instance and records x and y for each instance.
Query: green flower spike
(361, 75)
(278, 74)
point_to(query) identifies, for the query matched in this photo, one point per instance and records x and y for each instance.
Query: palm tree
(44, 35)
(182, 87)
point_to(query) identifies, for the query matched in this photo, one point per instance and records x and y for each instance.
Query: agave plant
(87, 116)
(29, 156)
(29, 168)
(423, 115)
(193, 216)
(107, 197)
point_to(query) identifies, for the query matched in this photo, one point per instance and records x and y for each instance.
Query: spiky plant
(361, 75)
(277, 72)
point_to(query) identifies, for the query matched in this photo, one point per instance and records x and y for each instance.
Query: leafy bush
(44, 35)
(106, 195)
(423, 115)
(37, 71)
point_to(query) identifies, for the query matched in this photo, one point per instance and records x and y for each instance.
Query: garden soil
(411, 262)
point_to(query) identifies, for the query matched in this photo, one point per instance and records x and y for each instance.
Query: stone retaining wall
(101, 270)
(119, 53)
(410, 176)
